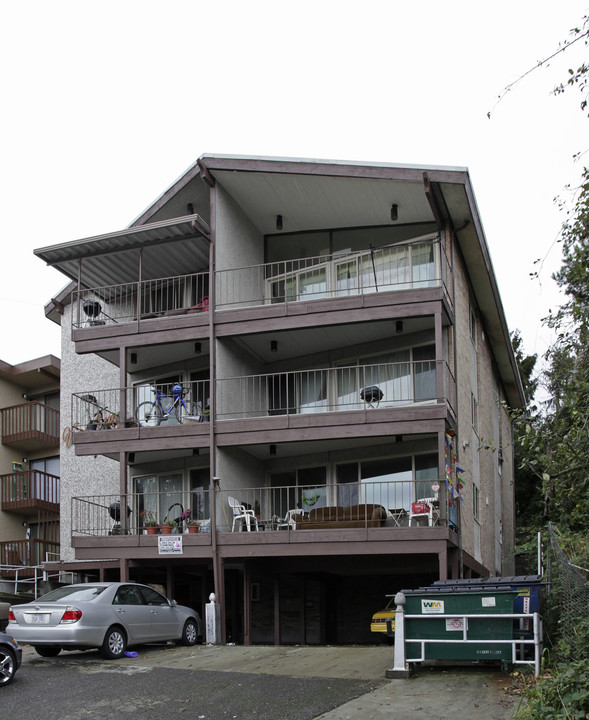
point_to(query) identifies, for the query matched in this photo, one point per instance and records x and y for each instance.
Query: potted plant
(168, 525)
(190, 524)
(149, 521)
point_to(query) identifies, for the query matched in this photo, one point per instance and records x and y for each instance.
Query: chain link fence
(568, 600)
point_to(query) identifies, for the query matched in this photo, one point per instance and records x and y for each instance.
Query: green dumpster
(431, 609)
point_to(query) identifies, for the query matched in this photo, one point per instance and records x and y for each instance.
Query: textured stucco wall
(81, 476)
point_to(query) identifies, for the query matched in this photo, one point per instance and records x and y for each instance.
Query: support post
(399, 669)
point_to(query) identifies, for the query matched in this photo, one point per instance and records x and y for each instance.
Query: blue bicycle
(151, 414)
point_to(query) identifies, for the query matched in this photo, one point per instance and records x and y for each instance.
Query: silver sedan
(103, 615)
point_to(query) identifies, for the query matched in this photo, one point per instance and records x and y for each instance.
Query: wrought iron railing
(101, 409)
(100, 515)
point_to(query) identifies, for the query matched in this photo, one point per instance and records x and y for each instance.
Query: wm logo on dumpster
(432, 607)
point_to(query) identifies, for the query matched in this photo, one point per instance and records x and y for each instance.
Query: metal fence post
(399, 669)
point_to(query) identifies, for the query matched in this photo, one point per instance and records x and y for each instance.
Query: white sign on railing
(169, 545)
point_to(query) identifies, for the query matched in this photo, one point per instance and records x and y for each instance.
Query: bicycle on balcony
(153, 413)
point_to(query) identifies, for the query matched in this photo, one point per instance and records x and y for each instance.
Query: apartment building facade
(309, 363)
(29, 466)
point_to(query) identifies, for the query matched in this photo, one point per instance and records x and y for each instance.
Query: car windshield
(73, 593)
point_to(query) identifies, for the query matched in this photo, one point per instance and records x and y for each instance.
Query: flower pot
(193, 528)
(166, 529)
(151, 530)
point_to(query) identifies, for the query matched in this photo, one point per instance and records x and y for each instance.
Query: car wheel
(189, 633)
(47, 650)
(7, 665)
(114, 643)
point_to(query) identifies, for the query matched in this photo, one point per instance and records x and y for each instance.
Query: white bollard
(399, 669)
(213, 621)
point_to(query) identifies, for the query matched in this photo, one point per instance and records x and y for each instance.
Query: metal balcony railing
(100, 515)
(129, 302)
(416, 264)
(373, 504)
(29, 488)
(413, 265)
(358, 387)
(30, 422)
(147, 404)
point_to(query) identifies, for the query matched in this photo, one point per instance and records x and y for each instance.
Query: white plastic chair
(240, 512)
(424, 507)
(289, 520)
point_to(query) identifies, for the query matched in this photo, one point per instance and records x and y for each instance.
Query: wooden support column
(276, 611)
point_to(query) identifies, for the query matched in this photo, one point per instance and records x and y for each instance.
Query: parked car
(110, 616)
(10, 658)
(378, 623)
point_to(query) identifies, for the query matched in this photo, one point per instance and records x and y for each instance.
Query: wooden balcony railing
(30, 489)
(26, 552)
(30, 426)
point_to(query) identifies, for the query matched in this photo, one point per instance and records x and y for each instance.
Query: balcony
(145, 405)
(30, 426)
(137, 301)
(385, 386)
(30, 490)
(30, 553)
(415, 265)
(375, 505)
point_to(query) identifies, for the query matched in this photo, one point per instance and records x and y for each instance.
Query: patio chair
(423, 507)
(289, 520)
(241, 513)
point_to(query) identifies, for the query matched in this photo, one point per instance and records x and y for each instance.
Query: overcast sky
(106, 103)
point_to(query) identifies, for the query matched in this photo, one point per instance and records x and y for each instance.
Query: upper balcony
(30, 426)
(169, 304)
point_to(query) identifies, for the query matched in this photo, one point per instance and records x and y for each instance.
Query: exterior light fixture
(272, 449)
(197, 348)
(394, 212)
(274, 346)
(399, 326)
(279, 222)
(133, 358)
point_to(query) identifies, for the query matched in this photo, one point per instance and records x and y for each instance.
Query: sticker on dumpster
(489, 602)
(455, 624)
(432, 607)
(526, 604)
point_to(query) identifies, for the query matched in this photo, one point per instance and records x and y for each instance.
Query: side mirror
(173, 603)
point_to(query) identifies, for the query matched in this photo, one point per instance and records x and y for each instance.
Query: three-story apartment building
(29, 468)
(309, 362)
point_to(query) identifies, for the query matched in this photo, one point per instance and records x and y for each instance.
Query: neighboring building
(346, 363)
(29, 465)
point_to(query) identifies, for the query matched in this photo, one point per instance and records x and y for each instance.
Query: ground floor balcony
(267, 515)
(17, 555)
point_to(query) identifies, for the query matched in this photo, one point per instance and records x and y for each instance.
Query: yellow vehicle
(378, 623)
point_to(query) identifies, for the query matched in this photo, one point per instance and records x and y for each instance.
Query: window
(393, 267)
(475, 413)
(161, 495)
(304, 488)
(391, 482)
(475, 502)
(473, 327)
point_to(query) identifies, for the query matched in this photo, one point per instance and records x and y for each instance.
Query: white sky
(105, 104)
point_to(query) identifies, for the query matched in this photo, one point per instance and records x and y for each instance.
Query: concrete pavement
(432, 693)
